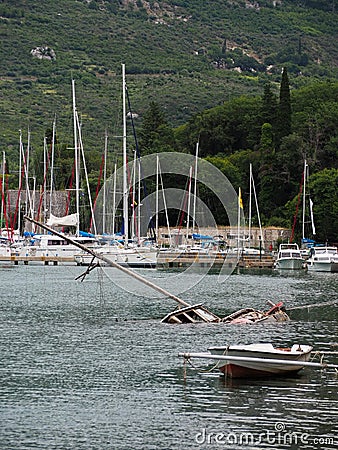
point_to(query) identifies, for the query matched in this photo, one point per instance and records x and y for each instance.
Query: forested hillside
(196, 70)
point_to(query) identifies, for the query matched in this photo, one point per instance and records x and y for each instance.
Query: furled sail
(70, 220)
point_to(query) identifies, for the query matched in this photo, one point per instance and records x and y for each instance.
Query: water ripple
(86, 365)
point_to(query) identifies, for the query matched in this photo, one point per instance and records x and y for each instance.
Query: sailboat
(244, 243)
(39, 246)
(289, 254)
(306, 242)
(321, 257)
(122, 251)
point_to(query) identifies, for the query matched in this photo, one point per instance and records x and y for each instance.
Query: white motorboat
(323, 259)
(46, 245)
(253, 359)
(289, 257)
(258, 360)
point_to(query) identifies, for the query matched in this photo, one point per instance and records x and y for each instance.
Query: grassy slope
(91, 44)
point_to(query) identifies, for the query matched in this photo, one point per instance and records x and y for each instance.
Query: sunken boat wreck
(198, 313)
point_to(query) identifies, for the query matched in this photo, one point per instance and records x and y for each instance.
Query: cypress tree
(224, 47)
(284, 108)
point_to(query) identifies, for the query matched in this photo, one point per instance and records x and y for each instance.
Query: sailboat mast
(84, 166)
(157, 187)
(20, 183)
(33, 199)
(250, 204)
(189, 197)
(239, 220)
(195, 190)
(3, 189)
(26, 162)
(104, 182)
(52, 170)
(114, 199)
(133, 223)
(125, 185)
(76, 153)
(139, 201)
(164, 203)
(304, 199)
(44, 186)
(26, 168)
(258, 215)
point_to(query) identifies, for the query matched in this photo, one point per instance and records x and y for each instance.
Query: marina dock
(168, 260)
(165, 260)
(44, 260)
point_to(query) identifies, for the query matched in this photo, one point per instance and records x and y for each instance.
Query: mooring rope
(313, 305)
(201, 370)
(215, 366)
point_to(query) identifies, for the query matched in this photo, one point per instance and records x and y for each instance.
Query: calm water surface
(89, 365)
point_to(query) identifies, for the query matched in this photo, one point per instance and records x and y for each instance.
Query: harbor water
(89, 365)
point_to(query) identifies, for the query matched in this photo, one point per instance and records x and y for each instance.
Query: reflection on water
(87, 365)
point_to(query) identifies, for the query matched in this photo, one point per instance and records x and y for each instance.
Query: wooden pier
(165, 260)
(42, 260)
(168, 260)
(256, 262)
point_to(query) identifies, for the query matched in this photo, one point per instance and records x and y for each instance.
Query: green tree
(315, 117)
(280, 175)
(227, 128)
(266, 170)
(283, 126)
(269, 105)
(227, 168)
(266, 142)
(155, 134)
